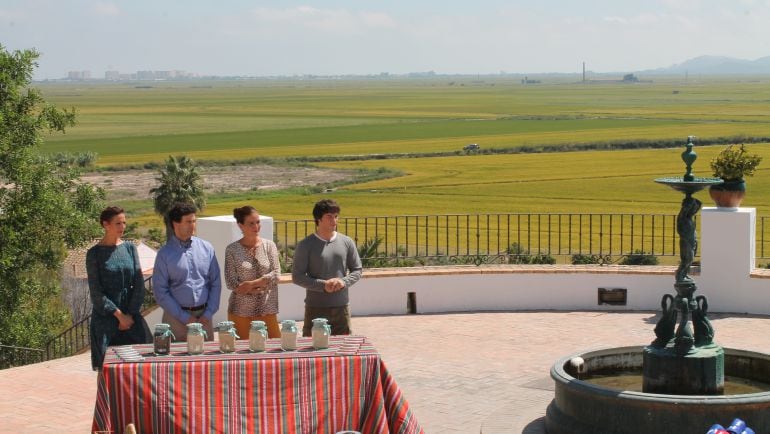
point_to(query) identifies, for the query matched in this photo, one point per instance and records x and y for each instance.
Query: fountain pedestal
(686, 362)
(699, 373)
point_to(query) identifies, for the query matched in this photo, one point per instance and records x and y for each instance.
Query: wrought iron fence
(17, 356)
(498, 235)
(763, 242)
(71, 341)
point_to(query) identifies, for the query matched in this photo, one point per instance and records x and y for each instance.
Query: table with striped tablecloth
(344, 387)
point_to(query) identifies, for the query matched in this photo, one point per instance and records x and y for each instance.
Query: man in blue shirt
(186, 280)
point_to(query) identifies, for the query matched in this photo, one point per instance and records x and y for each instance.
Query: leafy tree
(44, 209)
(179, 181)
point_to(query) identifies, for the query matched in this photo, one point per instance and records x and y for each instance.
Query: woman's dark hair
(241, 213)
(110, 212)
(179, 210)
(325, 206)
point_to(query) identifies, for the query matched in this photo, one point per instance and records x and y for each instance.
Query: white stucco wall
(490, 291)
(728, 256)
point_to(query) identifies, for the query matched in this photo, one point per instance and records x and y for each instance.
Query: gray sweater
(316, 260)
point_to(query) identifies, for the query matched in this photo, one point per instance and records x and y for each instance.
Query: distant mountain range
(716, 65)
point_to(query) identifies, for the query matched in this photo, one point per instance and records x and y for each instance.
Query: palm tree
(179, 181)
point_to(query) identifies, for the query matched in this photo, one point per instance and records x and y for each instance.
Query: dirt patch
(136, 184)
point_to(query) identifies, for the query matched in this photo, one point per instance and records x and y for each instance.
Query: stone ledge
(370, 273)
(760, 273)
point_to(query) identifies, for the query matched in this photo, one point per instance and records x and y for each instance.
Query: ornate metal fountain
(687, 361)
(683, 370)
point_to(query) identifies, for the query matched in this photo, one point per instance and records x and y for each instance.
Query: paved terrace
(462, 373)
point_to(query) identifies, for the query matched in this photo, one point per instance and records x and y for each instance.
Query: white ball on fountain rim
(578, 364)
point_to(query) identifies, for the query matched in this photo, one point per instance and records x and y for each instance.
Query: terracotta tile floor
(462, 373)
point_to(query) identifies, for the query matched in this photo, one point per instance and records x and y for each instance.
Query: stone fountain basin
(580, 407)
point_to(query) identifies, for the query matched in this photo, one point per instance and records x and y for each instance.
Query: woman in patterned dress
(252, 270)
(116, 286)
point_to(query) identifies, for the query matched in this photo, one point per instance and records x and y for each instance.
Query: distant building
(115, 75)
(79, 75)
(630, 78)
(145, 75)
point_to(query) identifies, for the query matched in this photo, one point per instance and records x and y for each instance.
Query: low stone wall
(385, 291)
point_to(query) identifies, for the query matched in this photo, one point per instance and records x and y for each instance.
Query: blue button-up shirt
(186, 274)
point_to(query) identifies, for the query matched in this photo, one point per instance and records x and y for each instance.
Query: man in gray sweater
(326, 264)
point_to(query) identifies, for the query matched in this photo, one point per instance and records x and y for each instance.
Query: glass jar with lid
(162, 339)
(227, 336)
(321, 331)
(257, 336)
(195, 337)
(288, 335)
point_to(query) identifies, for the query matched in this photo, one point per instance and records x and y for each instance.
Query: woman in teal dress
(116, 286)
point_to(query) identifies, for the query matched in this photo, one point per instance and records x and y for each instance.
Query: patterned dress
(242, 264)
(115, 282)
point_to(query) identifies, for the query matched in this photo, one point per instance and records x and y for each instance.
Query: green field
(233, 120)
(579, 182)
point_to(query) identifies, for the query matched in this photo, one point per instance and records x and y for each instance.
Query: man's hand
(333, 285)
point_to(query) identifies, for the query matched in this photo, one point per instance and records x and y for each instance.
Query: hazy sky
(286, 37)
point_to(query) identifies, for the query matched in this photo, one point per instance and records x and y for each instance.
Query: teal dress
(115, 281)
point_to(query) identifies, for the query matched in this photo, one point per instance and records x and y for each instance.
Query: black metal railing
(763, 241)
(71, 341)
(475, 235)
(11, 356)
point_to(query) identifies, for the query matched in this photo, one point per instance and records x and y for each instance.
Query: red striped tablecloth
(345, 387)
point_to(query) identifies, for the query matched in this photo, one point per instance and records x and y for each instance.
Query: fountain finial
(689, 156)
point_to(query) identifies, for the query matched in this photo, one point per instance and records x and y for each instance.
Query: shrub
(581, 259)
(542, 258)
(734, 163)
(639, 257)
(368, 253)
(517, 255)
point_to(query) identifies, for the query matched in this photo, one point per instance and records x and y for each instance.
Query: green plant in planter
(734, 163)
